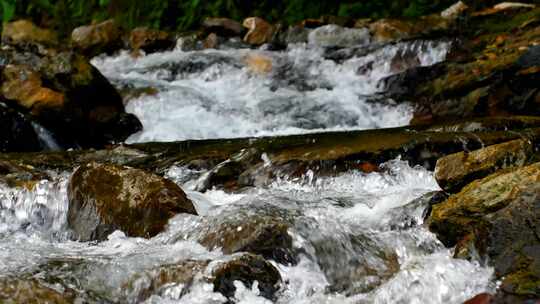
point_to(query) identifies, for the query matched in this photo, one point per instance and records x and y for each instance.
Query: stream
(357, 237)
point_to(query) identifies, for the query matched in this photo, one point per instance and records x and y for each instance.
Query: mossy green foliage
(64, 15)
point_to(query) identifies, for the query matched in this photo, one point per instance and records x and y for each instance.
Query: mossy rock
(104, 198)
(454, 171)
(498, 218)
(63, 92)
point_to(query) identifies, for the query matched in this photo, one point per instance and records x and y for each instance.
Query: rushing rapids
(224, 94)
(355, 237)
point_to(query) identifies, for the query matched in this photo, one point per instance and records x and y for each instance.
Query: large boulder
(25, 32)
(67, 95)
(498, 218)
(95, 39)
(104, 198)
(454, 171)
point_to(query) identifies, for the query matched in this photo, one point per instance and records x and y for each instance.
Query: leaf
(8, 10)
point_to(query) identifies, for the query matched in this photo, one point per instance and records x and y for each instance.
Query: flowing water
(358, 238)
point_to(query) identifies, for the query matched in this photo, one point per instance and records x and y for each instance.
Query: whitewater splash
(306, 88)
(328, 217)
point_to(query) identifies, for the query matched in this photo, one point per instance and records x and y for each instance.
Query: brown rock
(211, 42)
(24, 86)
(223, 26)
(498, 218)
(24, 31)
(259, 31)
(150, 40)
(246, 268)
(65, 94)
(483, 298)
(104, 198)
(30, 291)
(94, 39)
(454, 171)
(386, 30)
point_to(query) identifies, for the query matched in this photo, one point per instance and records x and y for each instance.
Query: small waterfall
(244, 92)
(46, 138)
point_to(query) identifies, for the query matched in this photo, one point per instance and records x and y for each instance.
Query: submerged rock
(245, 268)
(454, 171)
(95, 39)
(104, 198)
(264, 235)
(248, 269)
(15, 291)
(498, 218)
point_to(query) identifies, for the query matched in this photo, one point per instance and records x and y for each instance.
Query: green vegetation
(64, 15)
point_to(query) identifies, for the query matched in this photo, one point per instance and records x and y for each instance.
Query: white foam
(213, 94)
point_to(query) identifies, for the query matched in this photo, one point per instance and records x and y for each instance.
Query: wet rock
(367, 264)
(413, 213)
(295, 34)
(455, 11)
(23, 32)
(496, 76)
(129, 93)
(17, 133)
(155, 281)
(25, 86)
(68, 96)
(402, 85)
(259, 31)
(504, 7)
(14, 291)
(263, 235)
(336, 36)
(499, 217)
(454, 171)
(224, 27)
(104, 198)
(483, 298)
(248, 269)
(211, 42)
(150, 40)
(95, 39)
(404, 60)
